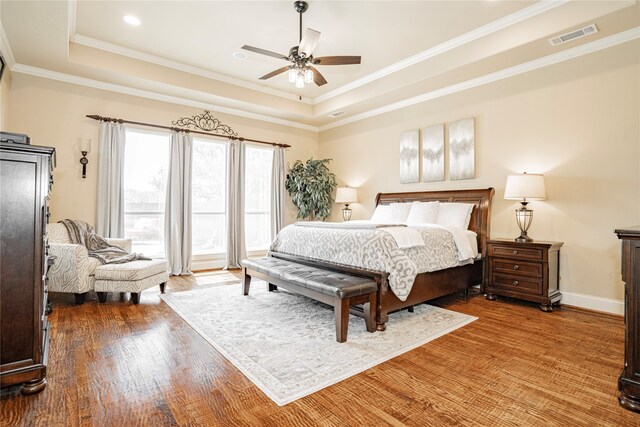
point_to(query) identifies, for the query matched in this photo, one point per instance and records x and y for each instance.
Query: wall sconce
(346, 195)
(525, 187)
(85, 148)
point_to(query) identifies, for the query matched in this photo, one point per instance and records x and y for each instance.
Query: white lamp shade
(346, 195)
(525, 187)
(85, 144)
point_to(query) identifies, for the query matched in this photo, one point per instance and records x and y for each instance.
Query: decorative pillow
(394, 213)
(423, 213)
(455, 214)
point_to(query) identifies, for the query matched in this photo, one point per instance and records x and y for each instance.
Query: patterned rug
(286, 343)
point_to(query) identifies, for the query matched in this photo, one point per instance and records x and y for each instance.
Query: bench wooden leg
(272, 287)
(341, 313)
(135, 297)
(246, 283)
(370, 313)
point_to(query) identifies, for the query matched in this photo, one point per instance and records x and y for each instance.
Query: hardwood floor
(123, 364)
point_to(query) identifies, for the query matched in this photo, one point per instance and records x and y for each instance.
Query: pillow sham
(394, 213)
(423, 213)
(455, 214)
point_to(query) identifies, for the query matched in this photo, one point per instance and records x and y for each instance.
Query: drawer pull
(515, 252)
(516, 283)
(516, 267)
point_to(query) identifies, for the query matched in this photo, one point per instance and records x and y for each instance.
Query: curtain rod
(177, 129)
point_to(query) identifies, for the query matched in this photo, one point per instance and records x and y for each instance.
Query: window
(257, 202)
(209, 197)
(146, 168)
(146, 163)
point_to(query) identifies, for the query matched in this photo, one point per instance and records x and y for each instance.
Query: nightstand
(528, 271)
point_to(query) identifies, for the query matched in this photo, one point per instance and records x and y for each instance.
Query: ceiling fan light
(292, 75)
(300, 81)
(308, 76)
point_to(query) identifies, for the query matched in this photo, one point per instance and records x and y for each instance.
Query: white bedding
(370, 246)
(466, 240)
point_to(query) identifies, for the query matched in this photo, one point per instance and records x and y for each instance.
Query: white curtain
(236, 246)
(177, 219)
(278, 175)
(110, 203)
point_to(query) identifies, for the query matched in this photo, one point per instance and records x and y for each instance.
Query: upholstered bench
(134, 277)
(337, 289)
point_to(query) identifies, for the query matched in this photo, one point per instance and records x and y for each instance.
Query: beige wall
(576, 122)
(5, 87)
(53, 114)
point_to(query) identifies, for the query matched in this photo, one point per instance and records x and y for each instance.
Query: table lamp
(346, 195)
(525, 187)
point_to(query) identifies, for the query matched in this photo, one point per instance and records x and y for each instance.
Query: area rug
(285, 343)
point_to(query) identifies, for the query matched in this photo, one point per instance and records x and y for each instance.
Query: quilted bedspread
(374, 249)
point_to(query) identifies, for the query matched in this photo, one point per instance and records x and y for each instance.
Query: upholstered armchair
(73, 269)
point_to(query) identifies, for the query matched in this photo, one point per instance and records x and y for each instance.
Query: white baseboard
(216, 261)
(207, 264)
(590, 302)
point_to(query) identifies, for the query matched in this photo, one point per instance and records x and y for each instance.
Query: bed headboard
(480, 217)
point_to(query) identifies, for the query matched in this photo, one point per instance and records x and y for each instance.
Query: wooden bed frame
(427, 286)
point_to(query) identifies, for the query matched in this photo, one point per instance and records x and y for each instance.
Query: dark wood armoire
(25, 184)
(629, 381)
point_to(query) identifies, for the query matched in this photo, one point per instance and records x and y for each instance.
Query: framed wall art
(462, 153)
(409, 157)
(432, 153)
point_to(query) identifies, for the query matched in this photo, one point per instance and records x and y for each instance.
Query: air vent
(576, 34)
(337, 114)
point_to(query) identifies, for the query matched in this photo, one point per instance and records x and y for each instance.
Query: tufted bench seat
(337, 289)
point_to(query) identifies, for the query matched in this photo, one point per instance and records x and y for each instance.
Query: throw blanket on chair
(83, 234)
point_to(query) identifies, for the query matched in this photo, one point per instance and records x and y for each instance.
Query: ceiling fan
(302, 70)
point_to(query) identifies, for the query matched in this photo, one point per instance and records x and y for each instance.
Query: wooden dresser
(629, 380)
(25, 184)
(528, 271)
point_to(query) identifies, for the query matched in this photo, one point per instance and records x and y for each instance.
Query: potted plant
(311, 187)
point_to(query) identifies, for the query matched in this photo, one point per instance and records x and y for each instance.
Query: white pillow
(455, 214)
(423, 213)
(394, 213)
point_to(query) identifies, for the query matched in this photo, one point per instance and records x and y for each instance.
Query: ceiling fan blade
(337, 60)
(265, 52)
(317, 77)
(308, 42)
(274, 73)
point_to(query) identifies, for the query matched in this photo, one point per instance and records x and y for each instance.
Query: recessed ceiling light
(239, 55)
(131, 20)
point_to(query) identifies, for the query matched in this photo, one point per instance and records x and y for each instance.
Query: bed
(426, 286)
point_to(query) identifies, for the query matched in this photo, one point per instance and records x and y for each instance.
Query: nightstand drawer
(519, 268)
(517, 284)
(516, 252)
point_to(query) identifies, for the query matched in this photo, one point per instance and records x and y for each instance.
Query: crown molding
(601, 44)
(499, 24)
(585, 49)
(168, 63)
(478, 33)
(112, 87)
(5, 48)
